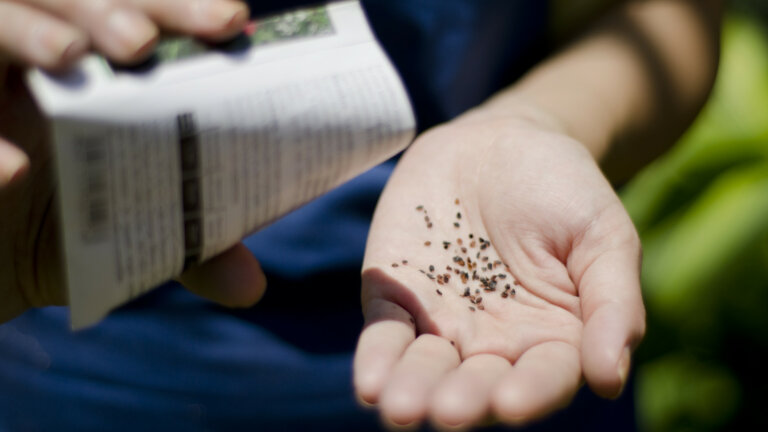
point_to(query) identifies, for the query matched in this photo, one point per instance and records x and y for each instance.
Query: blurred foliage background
(702, 213)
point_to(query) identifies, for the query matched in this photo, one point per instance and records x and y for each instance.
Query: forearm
(628, 87)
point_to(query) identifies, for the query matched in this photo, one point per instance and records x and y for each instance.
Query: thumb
(614, 315)
(233, 279)
(14, 163)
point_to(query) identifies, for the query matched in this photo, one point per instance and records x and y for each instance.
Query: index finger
(209, 19)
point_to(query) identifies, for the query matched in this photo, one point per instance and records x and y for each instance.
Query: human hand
(52, 34)
(542, 207)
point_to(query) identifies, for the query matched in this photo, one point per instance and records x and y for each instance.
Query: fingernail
(132, 30)
(362, 402)
(393, 425)
(72, 51)
(623, 367)
(222, 14)
(57, 45)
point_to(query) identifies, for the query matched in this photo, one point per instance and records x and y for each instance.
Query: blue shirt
(171, 361)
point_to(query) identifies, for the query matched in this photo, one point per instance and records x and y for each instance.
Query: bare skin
(524, 167)
(51, 34)
(548, 212)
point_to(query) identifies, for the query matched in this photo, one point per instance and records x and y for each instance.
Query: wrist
(518, 111)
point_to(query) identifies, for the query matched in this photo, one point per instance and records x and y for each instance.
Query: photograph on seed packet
(291, 25)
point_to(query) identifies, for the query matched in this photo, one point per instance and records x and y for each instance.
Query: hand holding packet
(166, 165)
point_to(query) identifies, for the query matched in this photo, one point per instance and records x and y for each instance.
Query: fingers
(35, 37)
(388, 331)
(405, 397)
(209, 19)
(122, 33)
(614, 317)
(232, 279)
(464, 397)
(52, 33)
(13, 163)
(545, 378)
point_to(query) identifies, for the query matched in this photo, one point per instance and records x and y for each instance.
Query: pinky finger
(36, 38)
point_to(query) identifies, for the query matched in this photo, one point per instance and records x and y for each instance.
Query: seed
(405, 262)
(506, 287)
(419, 207)
(446, 244)
(456, 201)
(453, 343)
(394, 265)
(458, 215)
(481, 307)
(471, 308)
(429, 225)
(456, 224)
(471, 235)
(513, 292)
(431, 268)
(479, 300)
(477, 291)
(466, 292)
(463, 250)
(502, 276)
(459, 241)
(427, 243)
(485, 258)
(448, 268)
(431, 276)
(517, 282)
(472, 244)
(426, 218)
(439, 292)
(481, 240)
(504, 294)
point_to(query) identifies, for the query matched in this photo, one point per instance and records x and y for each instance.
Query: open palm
(501, 268)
